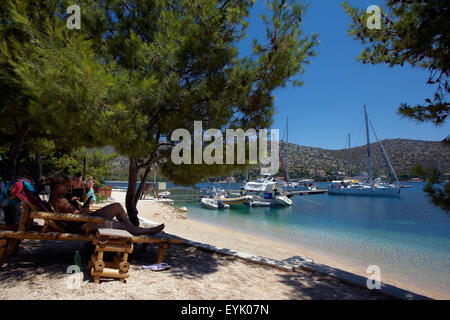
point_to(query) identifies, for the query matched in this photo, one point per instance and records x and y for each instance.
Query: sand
(39, 270)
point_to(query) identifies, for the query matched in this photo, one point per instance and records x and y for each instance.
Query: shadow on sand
(52, 258)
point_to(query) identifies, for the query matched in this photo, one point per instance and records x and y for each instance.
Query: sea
(408, 237)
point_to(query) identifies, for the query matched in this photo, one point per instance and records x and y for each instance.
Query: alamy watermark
(213, 153)
(374, 280)
(75, 278)
(374, 20)
(74, 20)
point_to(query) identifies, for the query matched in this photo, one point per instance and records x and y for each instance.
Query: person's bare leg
(112, 211)
(136, 231)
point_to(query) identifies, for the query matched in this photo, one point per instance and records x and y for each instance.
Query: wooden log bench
(10, 236)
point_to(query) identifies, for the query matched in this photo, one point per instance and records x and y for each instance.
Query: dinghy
(211, 203)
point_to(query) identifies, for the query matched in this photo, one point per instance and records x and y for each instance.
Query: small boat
(212, 191)
(270, 201)
(211, 203)
(301, 185)
(163, 194)
(283, 200)
(237, 200)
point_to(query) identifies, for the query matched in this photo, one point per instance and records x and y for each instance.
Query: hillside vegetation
(403, 155)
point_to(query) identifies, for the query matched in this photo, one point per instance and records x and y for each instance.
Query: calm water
(408, 238)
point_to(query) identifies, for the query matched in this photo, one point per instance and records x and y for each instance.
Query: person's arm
(64, 206)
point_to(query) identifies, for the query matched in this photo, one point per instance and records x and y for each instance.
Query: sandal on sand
(157, 267)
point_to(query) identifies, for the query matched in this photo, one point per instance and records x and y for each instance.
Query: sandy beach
(39, 269)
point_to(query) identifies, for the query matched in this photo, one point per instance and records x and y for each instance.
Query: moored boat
(369, 187)
(211, 203)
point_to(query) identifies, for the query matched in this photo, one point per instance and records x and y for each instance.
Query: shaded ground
(39, 272)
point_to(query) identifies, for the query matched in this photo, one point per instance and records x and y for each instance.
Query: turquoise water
(408, 237)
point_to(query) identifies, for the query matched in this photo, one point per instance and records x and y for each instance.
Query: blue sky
(330, 104)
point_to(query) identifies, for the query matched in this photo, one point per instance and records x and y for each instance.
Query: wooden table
(111, 240)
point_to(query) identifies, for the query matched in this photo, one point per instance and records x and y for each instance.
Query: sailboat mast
(349, 158)
(287, 150)
(369, 158)
(383, 152)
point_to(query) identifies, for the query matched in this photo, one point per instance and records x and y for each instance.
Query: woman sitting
(90, 188)
(60, 187)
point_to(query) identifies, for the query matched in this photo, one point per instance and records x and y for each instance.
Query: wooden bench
(10, 236)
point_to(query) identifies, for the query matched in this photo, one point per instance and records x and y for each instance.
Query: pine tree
(414, 33)
(51, 84)
(178, 62)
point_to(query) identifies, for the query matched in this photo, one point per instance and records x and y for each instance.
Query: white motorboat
(277, 201)
(267, 184)
(163, 194)
(301, 185)
(283, 200)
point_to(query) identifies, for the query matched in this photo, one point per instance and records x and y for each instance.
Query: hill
(324, 163)
(403, 155)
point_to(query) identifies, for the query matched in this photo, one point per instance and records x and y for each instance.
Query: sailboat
(291, 185)
(370, 187)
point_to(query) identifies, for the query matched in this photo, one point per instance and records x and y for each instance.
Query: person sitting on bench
(59, 187)
(77, 188)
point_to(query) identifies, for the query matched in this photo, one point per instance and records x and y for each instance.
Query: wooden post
(14, 244)
(161, 252)
(45, 227)
(24, 219)
(3, 247)
(88, 227)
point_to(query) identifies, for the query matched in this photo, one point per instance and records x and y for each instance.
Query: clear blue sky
(329, 105)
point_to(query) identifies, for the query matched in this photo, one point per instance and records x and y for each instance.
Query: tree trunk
(38, 165)
(84, 168)
(130, 202)
(140, 189)
(38, 180)
(14, 152)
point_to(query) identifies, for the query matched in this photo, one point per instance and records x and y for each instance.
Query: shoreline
(211, 234)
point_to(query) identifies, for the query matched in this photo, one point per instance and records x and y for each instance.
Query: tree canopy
(178, 62)
(415, 33)
(50, 81)
(139, 69)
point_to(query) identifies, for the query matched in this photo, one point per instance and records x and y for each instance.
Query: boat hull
(235, 201)
(209, 204)
(213, 204)
(283, 201)
(367, 192)
(277, 201)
